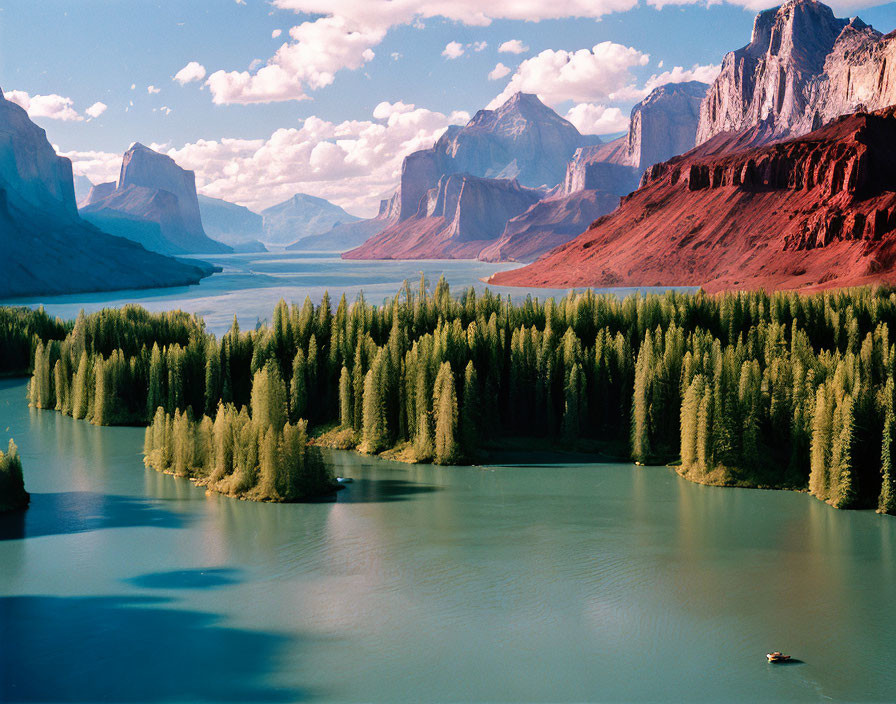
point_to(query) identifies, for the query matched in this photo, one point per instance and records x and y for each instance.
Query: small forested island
(746, 389)
(13, 496)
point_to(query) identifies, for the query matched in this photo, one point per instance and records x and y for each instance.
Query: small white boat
(344, 480)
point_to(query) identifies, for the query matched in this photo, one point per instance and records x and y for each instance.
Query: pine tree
(887, 499)
(345, 399)
(445, 410)
(298, 391)
(212, 378)
(641, 422)
(154, 397)
(269, 467)
(845, 493)
(821, 445)
(269, 397)
(471, 412)
(373, 427)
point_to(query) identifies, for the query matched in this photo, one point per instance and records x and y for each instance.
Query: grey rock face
(153, 188)
(661, 126)
(802, 68)
(45, 247)
(37, 176)
(302, 216)
(664, 124)
(523, 139)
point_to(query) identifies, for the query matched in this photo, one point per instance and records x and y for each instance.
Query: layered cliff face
(523, 139)
(45, 248)
(152, 188)
(802, 68)
(37, 177)
(662, 125)
(456, 219)
(302, 216)
(813, 212)
(548, 224)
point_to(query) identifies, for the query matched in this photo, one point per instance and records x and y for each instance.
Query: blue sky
(360, 82)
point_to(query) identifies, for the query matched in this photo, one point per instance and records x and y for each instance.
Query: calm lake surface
(504, 584)
(250, 285)
(516, 583)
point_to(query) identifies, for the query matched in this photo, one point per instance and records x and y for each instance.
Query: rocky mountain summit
(802, 68)
(812, 212)
(302, 216)
(662, 125)
(45, 247)
(523, 139)
(153, 202)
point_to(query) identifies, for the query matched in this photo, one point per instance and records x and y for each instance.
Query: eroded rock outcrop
(456, 219)
(523, 139)
(812, 212)
(802, 68)
(152, 188)
(45, 247)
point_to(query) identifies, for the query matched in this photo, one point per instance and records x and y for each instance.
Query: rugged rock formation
(523, 139)
(234, 225)
(152, 188)
(813, 212)
(548, 224)
(662, 125)
(455, 220)
(802, 68)
(302, 216)
(45, 247)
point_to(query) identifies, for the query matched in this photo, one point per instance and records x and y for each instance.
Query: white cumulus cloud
(345, 32)
(152, 89)
(513, 46)
(276, 33)
(498, 72)
(583, 76)
(193, 71)
(597, 119)
(705, 73)
(353, 163)
(96, 109)
(453, 50)
(51, 106)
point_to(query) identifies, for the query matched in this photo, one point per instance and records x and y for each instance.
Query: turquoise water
(250, 285)
(571, 582)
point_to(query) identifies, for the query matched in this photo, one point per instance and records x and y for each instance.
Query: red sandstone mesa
(814, 212)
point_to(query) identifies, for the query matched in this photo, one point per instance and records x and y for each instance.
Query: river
(250, 285)
(557, 582)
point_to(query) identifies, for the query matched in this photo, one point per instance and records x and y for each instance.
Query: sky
(267, 98)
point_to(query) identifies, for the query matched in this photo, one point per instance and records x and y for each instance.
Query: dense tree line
(12, 484)
(21, 329)
(747, 388)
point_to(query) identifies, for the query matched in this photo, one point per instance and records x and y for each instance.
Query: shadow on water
(83, 511)
(130, 649)
(208, 578)
(363, 491)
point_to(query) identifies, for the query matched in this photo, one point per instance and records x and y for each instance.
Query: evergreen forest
(743, 388)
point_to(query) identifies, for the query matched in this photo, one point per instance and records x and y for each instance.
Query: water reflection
(128, 649)
(68, 512)
(200, 578)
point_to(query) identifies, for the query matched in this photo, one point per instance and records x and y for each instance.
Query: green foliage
(12, 485)
(748, 388)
